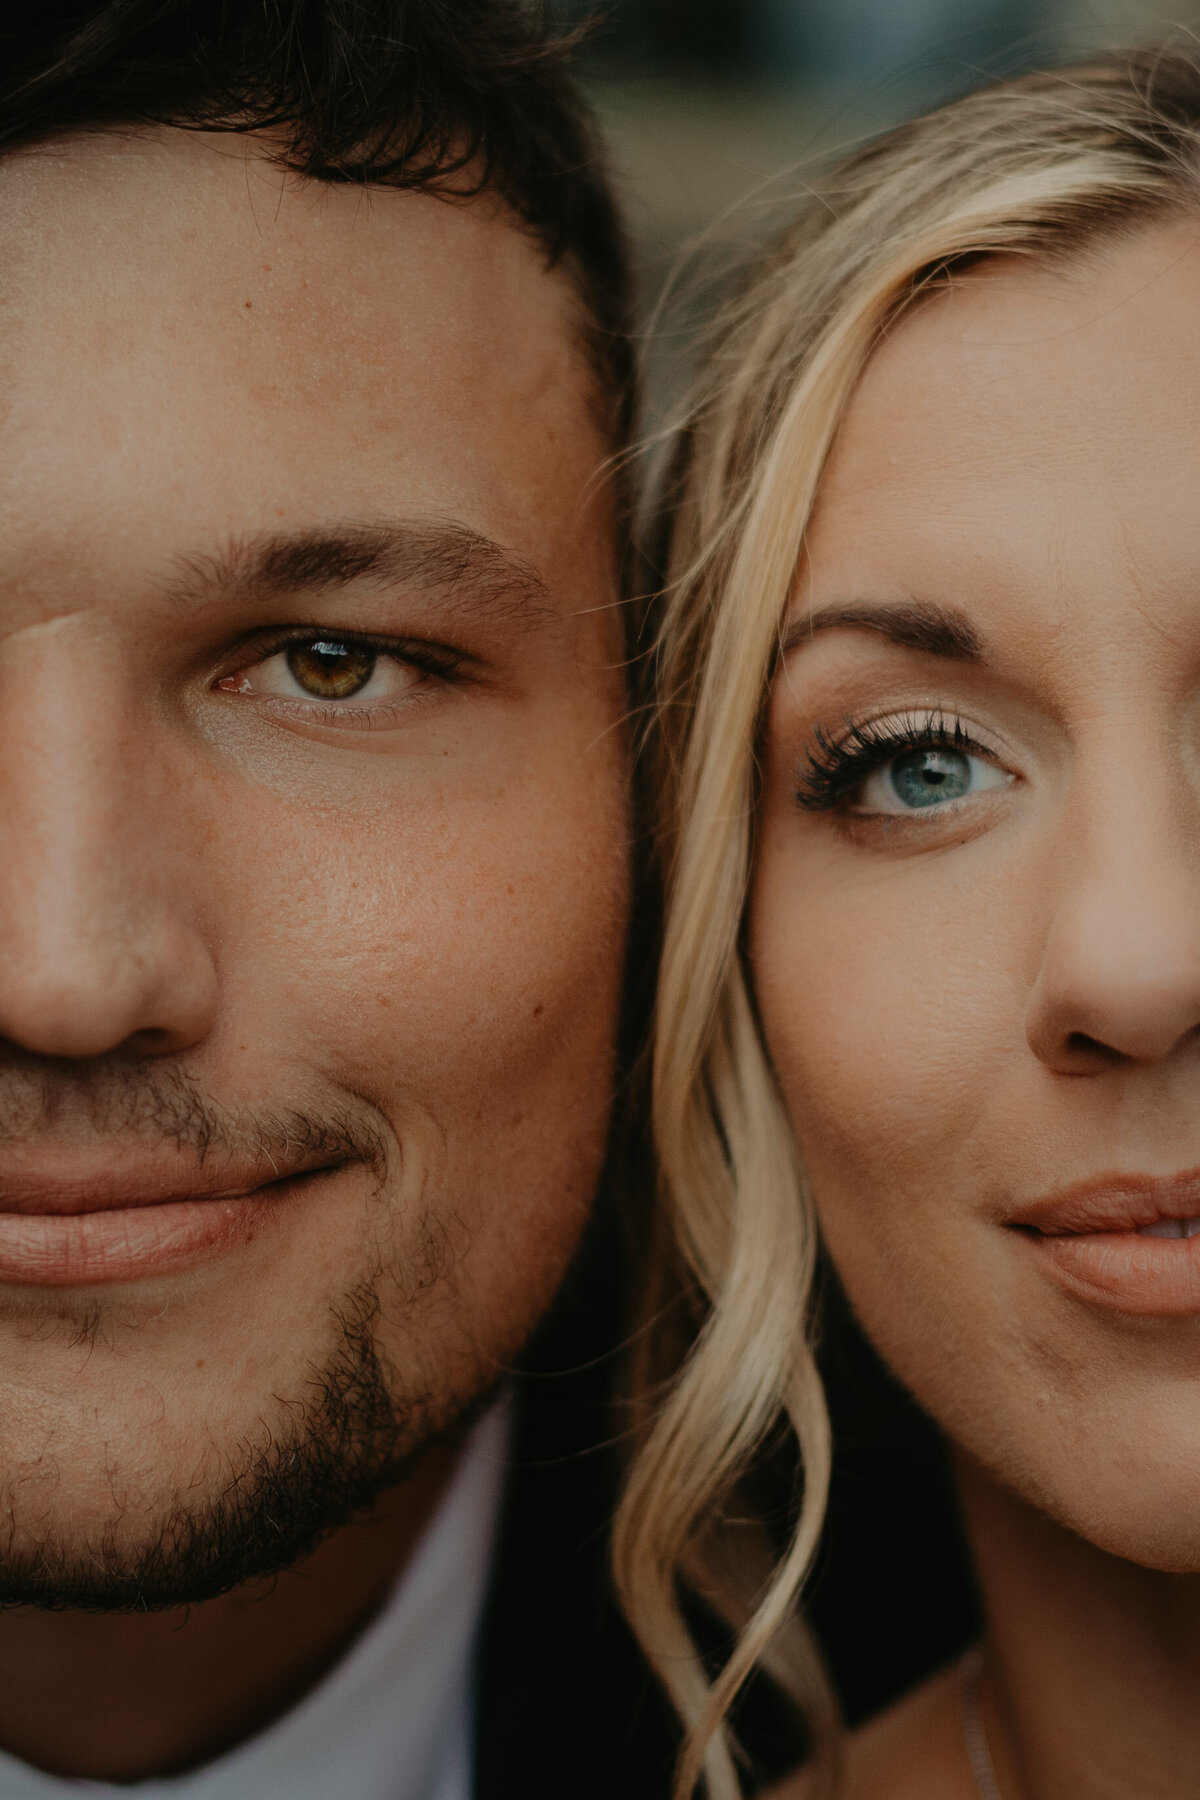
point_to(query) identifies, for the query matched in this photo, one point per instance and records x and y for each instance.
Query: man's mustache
(149, 1104)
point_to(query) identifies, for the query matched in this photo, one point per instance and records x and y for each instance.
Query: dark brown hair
(425, 95)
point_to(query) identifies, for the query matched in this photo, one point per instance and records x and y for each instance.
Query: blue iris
(930, 777)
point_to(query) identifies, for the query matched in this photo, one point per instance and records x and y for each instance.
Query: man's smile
(62, 1227)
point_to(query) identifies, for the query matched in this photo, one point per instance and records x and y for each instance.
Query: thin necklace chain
(983, 1770)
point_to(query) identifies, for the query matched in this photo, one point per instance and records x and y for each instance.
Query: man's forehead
(196, 349)
(171, 212)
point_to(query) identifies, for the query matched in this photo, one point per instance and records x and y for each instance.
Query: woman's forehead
(1015, 352)
(1032, 432)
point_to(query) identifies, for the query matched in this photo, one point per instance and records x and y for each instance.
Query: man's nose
(100, 945)
(1119, 980)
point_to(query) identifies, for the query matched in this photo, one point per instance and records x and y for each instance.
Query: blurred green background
(718, 109)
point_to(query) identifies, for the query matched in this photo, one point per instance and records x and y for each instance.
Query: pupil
(931, 777)
(329, 670)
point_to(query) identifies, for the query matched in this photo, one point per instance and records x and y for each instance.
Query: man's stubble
(354, 1427)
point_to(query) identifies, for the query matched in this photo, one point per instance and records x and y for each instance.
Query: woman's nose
(100, 942)
(1119, 980)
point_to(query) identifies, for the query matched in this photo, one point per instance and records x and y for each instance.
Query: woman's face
(975, 922)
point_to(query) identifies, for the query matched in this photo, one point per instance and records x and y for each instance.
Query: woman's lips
(88, 1230)
(1130, 1243)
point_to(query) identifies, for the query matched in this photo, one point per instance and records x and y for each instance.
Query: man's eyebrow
(913, 624)
(441, 557)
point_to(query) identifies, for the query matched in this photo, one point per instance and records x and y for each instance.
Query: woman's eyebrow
(913, 624)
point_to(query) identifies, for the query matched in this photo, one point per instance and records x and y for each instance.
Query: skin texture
(971, 1008)
(410, 925)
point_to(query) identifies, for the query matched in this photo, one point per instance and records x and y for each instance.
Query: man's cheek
(444, 962)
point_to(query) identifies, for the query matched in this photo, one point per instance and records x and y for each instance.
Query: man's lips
(67, 1226)
(1127, 1242)
(68, 1184)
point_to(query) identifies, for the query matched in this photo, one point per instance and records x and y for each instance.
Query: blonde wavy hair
(1041, 168)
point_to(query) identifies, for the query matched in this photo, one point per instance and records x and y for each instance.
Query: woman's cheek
(867, 1023)
(892, 1022)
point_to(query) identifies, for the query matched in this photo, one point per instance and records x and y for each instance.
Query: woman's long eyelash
(836, 766)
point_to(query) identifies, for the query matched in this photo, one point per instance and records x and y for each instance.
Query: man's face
(313, 845)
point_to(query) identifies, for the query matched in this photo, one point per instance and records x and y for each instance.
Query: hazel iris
(331, 670)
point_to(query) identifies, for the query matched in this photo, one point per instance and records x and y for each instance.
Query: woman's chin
(1153, 1536)
(1132, 1494)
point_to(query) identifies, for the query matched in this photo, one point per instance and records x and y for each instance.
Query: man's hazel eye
(329, 670)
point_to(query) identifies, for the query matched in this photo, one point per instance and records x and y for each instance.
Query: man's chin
(325, 1459)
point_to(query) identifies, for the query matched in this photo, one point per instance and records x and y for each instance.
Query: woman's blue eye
(919, 763)
(926, 777)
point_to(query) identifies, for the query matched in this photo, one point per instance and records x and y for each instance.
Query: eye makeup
(836, 768)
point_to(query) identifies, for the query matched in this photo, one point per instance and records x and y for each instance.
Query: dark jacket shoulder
(566, 1702)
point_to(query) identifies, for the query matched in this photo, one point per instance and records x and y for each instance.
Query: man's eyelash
(837, 766)
(422, 653)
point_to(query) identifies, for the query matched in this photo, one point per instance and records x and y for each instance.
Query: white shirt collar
(393, 1720)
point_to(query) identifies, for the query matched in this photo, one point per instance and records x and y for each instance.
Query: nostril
(1092, 1050)
(153, 1041)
